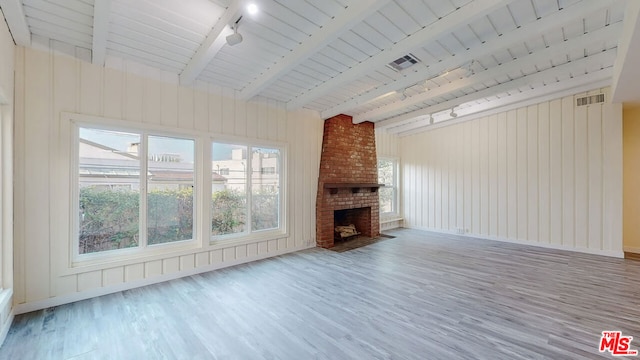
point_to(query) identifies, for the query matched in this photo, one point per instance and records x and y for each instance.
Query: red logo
(617, 344)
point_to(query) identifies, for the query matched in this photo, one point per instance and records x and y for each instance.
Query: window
(130, 181)
(248, 198)
(169, 190)
(388, 175)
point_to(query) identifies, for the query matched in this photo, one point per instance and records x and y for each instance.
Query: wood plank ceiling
(331, 55)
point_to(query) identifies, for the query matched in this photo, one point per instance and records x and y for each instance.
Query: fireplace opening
(359, 219)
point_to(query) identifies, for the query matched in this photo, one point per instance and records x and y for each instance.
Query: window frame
(250, 235)
(143, 248)
(66, 243)
(395, 198)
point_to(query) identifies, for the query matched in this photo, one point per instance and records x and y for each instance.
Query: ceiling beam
(17, 21)
(341, 23)
(214, 41)
(626, 87)
(548, 23)
(464, 15)
(560, 70)
(101, 12)
(537, 58)
(595, 80)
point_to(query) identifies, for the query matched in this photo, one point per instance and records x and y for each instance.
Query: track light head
(235, 38)
(431, 119)
(453, 114)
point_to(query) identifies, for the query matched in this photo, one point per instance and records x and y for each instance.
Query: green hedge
(109, 218)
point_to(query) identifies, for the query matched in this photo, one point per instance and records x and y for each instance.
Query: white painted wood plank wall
(548, 174)
(49, 83)
(7, 53)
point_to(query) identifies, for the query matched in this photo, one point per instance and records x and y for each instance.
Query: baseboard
(66, 299)
(609, 253)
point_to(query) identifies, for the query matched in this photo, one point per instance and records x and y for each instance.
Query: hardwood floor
(418, 296)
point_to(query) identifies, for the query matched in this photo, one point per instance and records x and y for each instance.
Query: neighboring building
(102, 166)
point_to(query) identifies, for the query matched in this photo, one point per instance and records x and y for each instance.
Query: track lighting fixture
(235, 38)
(431, 119)
(453, 113)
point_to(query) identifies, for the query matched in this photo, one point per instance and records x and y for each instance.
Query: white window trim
(396, 214)
(62, 241)
(143, 247)
(252, 235)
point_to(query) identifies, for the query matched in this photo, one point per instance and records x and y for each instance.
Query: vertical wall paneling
(134, 272)
(66, 80)
(522, 177)
(494, 156)
(152, 102)
(90, 94)
(228, 111)
(555, 172)
(113, 93)
(459, 165)
(186, 108)
(468, 177)
(548, 174)
(612, 181)
(113, 276)
(37, 120)
(215, 109)
(201, 110)
(532, 173)
(89, 280)
(437, 152)
(483, 154)
(48, 85)
(169, 104)
(544, 165)
(502, 192)
(133, 97)
(581, 180)
(568, 173)
(595, 161)
(453, 171)
(475, 177)
(202, 259)
(19, 223)
(512, 175)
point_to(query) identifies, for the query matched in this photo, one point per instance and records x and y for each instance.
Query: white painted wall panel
(7, 86)
(547, 174)
(48, 84)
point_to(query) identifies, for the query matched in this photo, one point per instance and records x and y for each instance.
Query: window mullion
(142, 155)
(249, 188)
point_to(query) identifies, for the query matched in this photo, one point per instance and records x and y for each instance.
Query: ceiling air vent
(403, 62)
(588, 100)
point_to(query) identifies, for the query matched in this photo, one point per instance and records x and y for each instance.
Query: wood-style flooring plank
(418, 296)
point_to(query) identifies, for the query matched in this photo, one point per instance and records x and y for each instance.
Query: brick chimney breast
(348, 178)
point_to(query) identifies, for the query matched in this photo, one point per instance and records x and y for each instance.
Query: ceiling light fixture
(235, 38)
(431, 119)
(252, 9)
(403, 94)
(453, 113)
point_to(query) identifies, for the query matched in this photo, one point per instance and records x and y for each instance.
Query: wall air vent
(403, 62)
(588, 100)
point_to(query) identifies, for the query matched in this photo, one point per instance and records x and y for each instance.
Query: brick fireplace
(348, 180)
